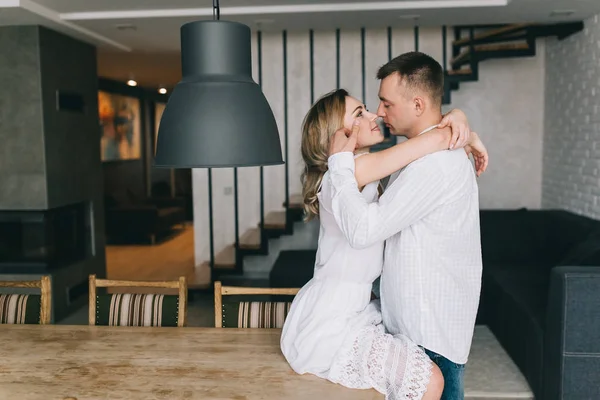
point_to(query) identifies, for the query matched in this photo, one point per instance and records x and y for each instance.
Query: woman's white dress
(335, 331)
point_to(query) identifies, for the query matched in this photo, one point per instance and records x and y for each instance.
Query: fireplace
(43, 240)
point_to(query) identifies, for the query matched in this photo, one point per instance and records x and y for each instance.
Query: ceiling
(141, 37)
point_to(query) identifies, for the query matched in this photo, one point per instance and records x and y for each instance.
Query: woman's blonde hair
(323, 119)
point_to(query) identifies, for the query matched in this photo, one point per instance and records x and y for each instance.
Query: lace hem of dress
(392, 365)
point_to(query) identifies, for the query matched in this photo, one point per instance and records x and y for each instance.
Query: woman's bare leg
(435, 386)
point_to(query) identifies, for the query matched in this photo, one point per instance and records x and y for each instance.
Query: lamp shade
(217, 116)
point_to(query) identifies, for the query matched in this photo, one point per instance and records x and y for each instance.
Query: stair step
(275, 220)
(296, 201)
(491, 33)
(250, 240)
(225, 259)
(462, 71)
(199, 278)
(480, 48)
(497, 41)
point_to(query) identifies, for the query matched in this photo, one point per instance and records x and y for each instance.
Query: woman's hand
(343, 140)
(458, 123)
(479, 152)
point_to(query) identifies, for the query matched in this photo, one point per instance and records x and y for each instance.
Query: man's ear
(420, 105)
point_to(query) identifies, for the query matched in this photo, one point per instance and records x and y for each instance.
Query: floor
(168, 259)
(490, 373)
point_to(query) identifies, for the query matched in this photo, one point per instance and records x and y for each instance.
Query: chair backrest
(251, 314)
(26, 308)
(131, 309)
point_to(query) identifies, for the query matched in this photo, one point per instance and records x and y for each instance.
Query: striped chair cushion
(126, 309)
(20, 308)
(255, 314)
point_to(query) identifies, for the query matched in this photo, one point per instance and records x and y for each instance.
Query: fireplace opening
(41, 240)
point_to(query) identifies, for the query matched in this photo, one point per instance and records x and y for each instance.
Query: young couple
(421, 235)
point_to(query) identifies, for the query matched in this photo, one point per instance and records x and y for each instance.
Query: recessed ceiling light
(162, 90)
(562, 13)
(131, 82)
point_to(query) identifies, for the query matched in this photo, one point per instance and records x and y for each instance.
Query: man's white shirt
(429, 218)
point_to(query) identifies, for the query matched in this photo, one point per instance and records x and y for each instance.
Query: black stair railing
(263, 237)
(285, 121)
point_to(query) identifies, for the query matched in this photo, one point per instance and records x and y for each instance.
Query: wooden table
(54, 362)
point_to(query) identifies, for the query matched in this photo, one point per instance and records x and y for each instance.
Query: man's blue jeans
(453, 376)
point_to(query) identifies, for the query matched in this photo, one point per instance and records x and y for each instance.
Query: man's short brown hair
(419, 72)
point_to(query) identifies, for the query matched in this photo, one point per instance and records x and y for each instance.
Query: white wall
(572, 142)
(505, 106)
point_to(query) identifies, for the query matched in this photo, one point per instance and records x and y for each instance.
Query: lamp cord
(216, 10)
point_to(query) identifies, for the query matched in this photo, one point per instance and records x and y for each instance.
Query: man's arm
(414, 194)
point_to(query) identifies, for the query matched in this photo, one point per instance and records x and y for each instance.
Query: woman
(333, 329)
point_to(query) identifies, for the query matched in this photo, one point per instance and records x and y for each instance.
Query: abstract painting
(120, 126)
(158, 112)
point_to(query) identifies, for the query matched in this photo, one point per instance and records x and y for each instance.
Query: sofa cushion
(565, 232)
(531, 236)
(510, 236)
(255, 314)
(137, 310)
(585, 253)
(20, 308)
(515, 302)
(527, 287)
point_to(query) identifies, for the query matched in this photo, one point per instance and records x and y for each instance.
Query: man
(429, 218)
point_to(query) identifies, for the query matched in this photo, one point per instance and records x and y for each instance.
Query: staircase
(474, 44)
(255, 241)
(471, 46)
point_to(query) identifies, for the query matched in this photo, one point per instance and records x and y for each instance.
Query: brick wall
(571, 161)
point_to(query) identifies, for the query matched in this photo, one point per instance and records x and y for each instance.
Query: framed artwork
(120, 126)
(159, 108)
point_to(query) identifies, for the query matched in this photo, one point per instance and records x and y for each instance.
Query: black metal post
(457, 36)
(311, 39)
(236, 211)
(444, 45)
(472, 60)
(262, 174)
(285, 120)
(210, 226)
(389, 39)
(216, 16)
(337, 58)
(416, 30)
(362, 65)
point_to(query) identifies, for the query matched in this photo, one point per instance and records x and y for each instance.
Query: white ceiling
(68, 6)
(155, 37)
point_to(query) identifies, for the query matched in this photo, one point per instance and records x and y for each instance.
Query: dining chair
(251, 314)
(26, 308)
(138, 309)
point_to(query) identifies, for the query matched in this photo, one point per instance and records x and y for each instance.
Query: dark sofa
(541, 297)
(129, 218)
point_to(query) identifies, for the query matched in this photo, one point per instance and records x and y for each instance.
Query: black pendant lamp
(217, 116)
